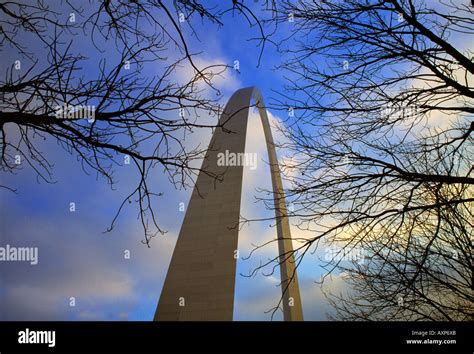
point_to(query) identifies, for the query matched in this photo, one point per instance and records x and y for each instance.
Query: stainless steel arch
(201, 278)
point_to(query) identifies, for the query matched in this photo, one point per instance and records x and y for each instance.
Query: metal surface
(201, 278)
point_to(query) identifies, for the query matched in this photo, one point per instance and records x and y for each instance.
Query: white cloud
(225, 80)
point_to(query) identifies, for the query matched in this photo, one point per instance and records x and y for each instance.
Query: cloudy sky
(77, 260)
(82, 272)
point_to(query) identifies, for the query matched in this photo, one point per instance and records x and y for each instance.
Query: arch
(200, 281)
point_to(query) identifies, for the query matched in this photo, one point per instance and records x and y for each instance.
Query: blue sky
(77, 259)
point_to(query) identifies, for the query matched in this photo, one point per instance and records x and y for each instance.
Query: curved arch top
(200, 281)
